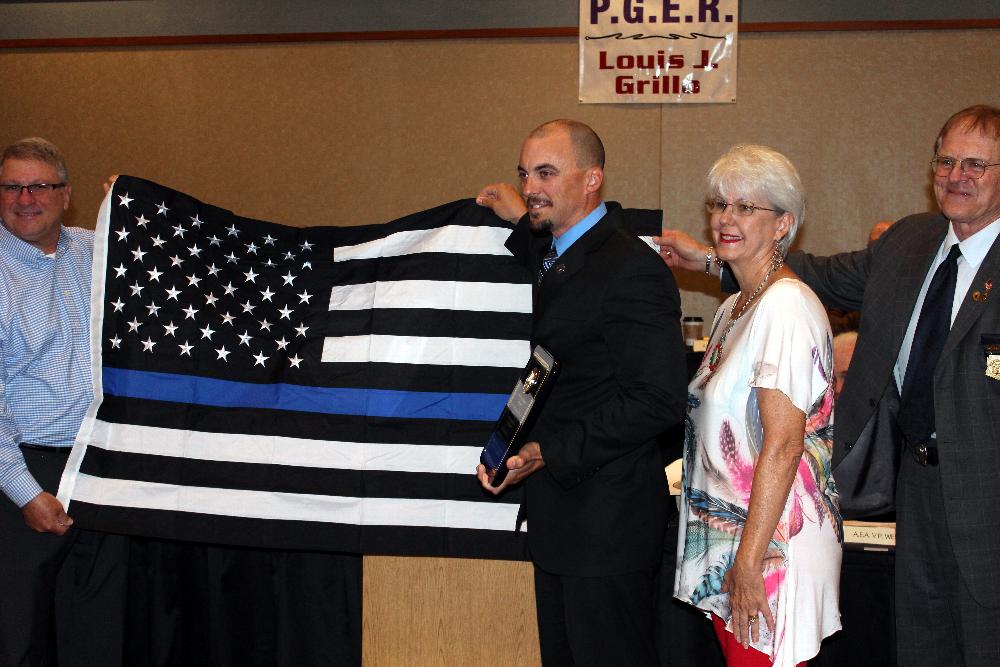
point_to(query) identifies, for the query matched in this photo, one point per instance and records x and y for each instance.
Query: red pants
(736, 655)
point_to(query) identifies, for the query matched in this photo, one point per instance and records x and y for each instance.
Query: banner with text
(656, 51)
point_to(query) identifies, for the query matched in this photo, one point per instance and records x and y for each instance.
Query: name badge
(992, 352)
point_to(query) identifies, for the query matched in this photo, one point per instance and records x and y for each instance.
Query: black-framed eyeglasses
(743, 209)
(970, 166)
(13, 190)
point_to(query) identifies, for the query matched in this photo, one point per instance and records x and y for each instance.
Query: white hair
(765, 174)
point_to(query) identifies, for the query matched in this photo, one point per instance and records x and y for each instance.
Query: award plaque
(519, 414)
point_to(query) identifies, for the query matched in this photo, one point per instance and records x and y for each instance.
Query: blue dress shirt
(571, 235)
(45, 375)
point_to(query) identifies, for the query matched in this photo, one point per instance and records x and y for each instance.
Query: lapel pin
(560, 268)
(981, 296)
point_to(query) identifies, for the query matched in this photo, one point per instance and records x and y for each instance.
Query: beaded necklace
(715, 356)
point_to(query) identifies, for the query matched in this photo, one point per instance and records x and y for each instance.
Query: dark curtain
(196, 604)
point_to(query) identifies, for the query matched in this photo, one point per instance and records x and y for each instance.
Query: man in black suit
(927, 404)
(596, 494)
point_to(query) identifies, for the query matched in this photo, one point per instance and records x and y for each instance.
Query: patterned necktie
(916, 412)
(547, 262)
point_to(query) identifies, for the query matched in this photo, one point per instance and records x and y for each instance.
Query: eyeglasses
(971, 167)
(13, 190)
(740, 208)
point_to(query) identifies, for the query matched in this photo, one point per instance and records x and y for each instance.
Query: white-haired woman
(760, 530)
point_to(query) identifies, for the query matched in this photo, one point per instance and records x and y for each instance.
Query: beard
(538, 223)
(541, 225)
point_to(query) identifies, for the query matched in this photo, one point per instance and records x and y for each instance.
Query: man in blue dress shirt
(45, 391)
(595, 493)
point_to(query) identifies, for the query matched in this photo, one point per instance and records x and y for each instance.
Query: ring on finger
(753, 619)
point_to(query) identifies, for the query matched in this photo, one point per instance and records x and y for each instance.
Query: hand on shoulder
(680, 250)
(504, 200)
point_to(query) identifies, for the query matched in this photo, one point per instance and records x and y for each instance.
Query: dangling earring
(777, 259)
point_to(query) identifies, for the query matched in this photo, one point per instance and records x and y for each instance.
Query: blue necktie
(547, 262)
(916, 410)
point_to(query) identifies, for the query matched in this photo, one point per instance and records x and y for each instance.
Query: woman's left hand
(747, 602)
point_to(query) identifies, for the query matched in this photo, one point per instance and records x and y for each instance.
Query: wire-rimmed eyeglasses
(743, 209)
(970, 166)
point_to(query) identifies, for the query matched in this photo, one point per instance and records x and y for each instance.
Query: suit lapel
(915, 261)
(971, 309)
(574, 259)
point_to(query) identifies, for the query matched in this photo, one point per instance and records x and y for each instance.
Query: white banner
(656, 51)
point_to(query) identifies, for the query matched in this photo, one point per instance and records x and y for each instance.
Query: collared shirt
(45, 374)
(974, 251)
(571, 235)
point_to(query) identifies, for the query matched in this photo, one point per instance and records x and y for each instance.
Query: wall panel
(360, 132)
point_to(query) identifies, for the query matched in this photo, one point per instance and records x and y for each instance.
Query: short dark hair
(982, 117)
(588, 146)
(36, 148)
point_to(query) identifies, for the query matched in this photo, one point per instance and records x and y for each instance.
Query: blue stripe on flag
(328, 400)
